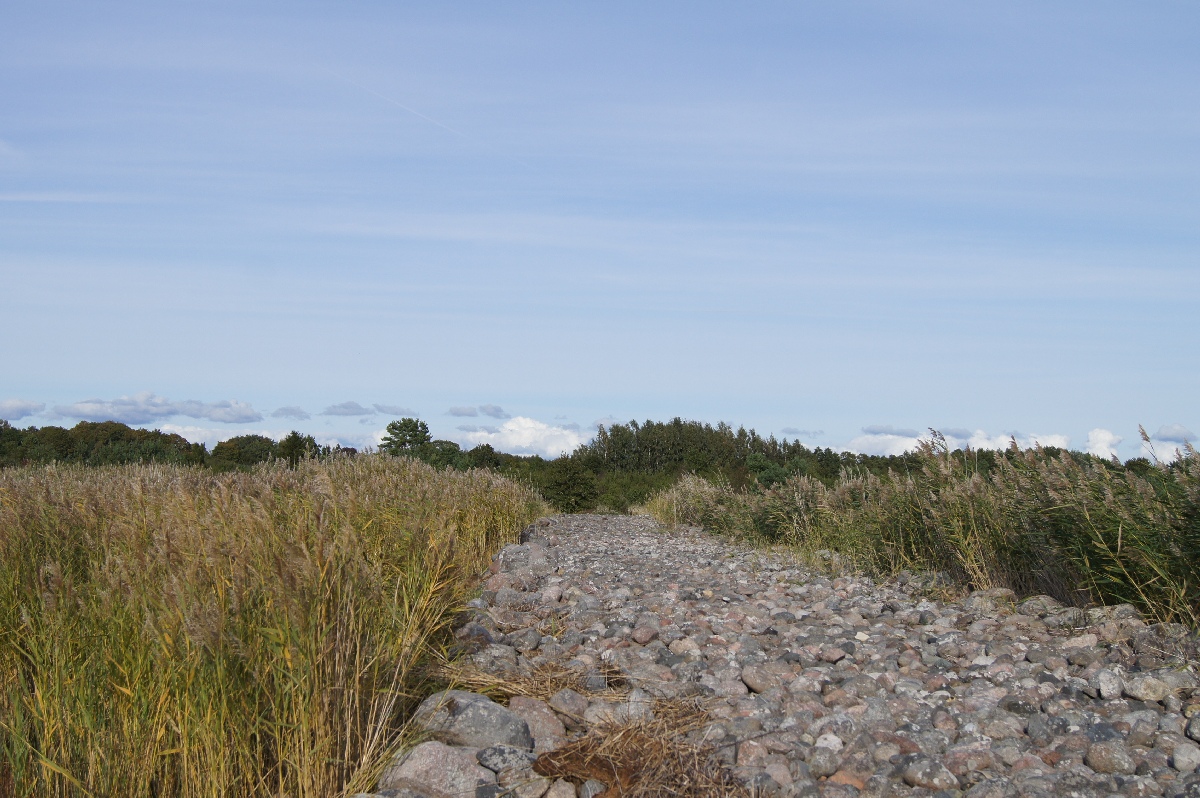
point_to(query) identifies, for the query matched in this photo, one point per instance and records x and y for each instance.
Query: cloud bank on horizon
(521, 434)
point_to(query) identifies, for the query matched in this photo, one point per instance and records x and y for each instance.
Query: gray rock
(469, 719)
(823, 761)
(437, 767)
(1193, 728)
(518, 556)
(1186, 757)
(524, 783)
(561, 789)
(1109, 757)
(568, 702)
(758, 679)
(998, 787)
(1146, 688)
(990, 601)
(1108, 683)
(930, 774)
(499, 758)
(591, 788)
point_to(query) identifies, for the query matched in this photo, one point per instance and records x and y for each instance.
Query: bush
(570, 486)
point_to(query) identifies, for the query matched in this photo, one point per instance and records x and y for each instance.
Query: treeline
(633, 460)
(113, 443)
(622, 466)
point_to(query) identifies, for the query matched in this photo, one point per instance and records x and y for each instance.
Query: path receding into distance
(816, 684)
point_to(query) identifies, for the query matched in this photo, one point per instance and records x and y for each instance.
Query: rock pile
(814, 685)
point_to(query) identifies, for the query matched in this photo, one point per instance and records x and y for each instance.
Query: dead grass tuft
(542, 682)
(648, 757)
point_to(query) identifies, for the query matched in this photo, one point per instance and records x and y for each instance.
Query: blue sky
(840, 222)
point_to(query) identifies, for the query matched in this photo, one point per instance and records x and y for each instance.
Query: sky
(840, 223)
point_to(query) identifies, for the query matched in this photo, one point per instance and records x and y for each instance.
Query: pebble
(821, 684)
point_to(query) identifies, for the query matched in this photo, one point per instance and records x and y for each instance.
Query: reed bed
(1068, 525)
(165, 631)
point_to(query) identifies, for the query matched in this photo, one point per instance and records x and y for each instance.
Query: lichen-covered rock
(437, 768)
(468, 719)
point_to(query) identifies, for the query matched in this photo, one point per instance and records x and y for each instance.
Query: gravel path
(838, 686)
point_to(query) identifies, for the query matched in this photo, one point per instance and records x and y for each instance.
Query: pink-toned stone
(547, 730)
(644, 634)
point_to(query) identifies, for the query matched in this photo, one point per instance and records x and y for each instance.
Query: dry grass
(656, 755)
(170, 632)
(653, 756)
(542, 682)
(1071, 526)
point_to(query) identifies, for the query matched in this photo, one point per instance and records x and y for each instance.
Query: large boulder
(469, 719)
(437, 769)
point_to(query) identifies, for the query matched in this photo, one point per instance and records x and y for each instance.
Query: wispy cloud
(74, 197)
(522, 435)
(395, 410)
(298, 413)
(1103, 443)
(803, 433)
(888, 429)
(16, 409)
(472, 411)
(146, 407)
(607, 421)
(347, 409)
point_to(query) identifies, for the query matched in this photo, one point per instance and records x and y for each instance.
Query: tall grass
(169, 632)
(1068, 525)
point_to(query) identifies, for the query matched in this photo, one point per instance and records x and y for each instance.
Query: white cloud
(883, 443)
(145, 407)
(1174, 433)
(522, 435)
(16, 409)
(395, 410)
(467, 411)
(1103, 443)
(298, 413)
(982, 440)
(885, 440)
(347, 409)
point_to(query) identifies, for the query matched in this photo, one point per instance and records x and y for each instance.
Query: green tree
(484, 456)
(244, 450)
(570, 486)
(404, 436)
(296, 447)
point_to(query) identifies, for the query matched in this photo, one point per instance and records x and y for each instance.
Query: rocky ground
(814, 685)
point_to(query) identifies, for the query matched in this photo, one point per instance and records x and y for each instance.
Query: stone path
(816, 685)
